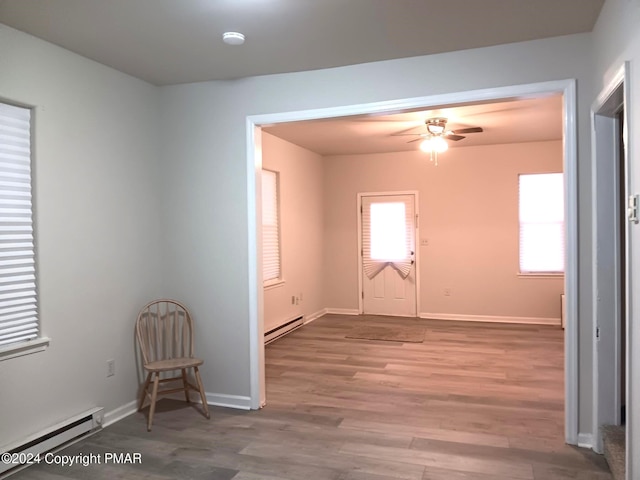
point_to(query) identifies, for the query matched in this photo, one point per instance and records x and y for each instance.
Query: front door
(388, 233)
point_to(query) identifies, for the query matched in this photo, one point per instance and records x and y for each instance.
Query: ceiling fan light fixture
(434, 145)
(425, 145)
(435, 129)
(435, 126)
(439, 144)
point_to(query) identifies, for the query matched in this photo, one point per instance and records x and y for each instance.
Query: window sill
(273, 284)
(26, 348)
(540, 275)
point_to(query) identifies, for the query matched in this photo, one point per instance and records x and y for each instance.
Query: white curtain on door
(387, 234)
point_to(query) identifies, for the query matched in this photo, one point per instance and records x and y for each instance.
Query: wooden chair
(164, 331)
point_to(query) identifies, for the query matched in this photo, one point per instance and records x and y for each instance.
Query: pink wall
(468, 214)
(301, 212)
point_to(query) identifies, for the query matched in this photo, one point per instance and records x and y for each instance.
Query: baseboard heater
(283, 329)
(54, 437)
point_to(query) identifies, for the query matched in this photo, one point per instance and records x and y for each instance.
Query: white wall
(468, 214)
(616, 39)
(301, 228)
(204, 154)
(97, 238)
(97, 187)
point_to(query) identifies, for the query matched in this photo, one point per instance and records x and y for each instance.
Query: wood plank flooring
(473, 401)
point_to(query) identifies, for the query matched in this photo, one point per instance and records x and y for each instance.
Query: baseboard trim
(240, 402)
(492, 319)
(315, 316)
(119, 413)
(217, 399)
(585, 440)
(343, 311)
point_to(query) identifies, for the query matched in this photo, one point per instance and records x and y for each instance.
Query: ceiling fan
(433, 140)
(436, 127)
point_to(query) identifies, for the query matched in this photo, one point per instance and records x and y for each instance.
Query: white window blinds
(18, 297)
(387, 234)
(541, 206)
(271, 271)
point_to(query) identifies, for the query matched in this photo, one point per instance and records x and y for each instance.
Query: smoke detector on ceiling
(233, 38)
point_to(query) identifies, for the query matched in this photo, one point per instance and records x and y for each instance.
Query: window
(388, 231)
(19, 325)
(271, 263)
(541, 223)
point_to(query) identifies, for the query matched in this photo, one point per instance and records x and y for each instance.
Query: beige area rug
(389, 334)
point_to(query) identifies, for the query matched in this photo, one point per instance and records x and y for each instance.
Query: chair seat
(173, 364)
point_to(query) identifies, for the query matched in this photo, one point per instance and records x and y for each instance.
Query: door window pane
(388, 231)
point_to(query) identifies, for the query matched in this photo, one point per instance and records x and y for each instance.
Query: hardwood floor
(473, 401)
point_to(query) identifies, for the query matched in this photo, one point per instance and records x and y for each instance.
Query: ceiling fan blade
(416, 140)
(404, 134)
(468, 130)
(377, 120)
(455, 138)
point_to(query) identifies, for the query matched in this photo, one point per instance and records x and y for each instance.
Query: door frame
(607, 308)
(565, 87)
(416, 256)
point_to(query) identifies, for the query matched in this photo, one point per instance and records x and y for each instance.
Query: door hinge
(363, 294)
(632, 208)
(598, 333)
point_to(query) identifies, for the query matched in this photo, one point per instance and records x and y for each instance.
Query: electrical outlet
(297, 301)
(111, 368)
(447, 292)
(424, 242)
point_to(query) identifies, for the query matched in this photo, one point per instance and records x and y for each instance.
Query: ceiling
(170, 42)
(513, 121)
(179, 41)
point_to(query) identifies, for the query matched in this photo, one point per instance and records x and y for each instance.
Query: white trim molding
(254, 260)
(343, 311)
(608, 176)
(241, 402)
(492, 319)
(25, 348)
(315, 316)
(567, 88)
(571, 277)
(585, 440)
(216, 399)
(117, 414)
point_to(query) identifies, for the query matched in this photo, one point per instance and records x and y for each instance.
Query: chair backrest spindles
(188, 351)
(164, 330)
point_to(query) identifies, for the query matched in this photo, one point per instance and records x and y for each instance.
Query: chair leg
(186, 385)
(143, 394)
(205, 406)
(154, 395)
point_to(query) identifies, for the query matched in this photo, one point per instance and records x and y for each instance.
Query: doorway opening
(622, 261)
(566, 88)
(611, 253)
